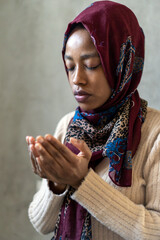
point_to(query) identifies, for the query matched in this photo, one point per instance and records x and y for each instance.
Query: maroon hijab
(119, 41)
(114, 29)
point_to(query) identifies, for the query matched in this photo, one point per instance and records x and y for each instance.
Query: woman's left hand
(59, 164)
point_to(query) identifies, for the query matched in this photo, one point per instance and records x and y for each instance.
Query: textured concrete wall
(34, 92)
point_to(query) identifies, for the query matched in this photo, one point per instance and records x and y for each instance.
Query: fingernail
(30, 147)
(38, 146)
(48, 137)
(39, 139)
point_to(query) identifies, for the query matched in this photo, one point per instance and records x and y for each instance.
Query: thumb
(82, 147)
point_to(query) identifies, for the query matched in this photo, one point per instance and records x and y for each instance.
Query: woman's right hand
(55, 187)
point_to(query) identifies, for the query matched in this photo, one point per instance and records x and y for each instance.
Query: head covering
(114, 129)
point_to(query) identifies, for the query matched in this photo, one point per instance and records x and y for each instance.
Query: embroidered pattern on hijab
(114, 129)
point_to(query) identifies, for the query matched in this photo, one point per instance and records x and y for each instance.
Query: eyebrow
(83, 57)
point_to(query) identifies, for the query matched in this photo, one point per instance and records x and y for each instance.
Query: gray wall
(34, 92)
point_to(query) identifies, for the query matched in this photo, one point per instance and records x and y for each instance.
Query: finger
(27, 139)
(33, 159)
(42, 151)
(46, 144)
(30, 140)
(65, 152)
(83, 147)
(54, 166)
(39, 170)
(46, 157)
(48, 169)
(33, 150)
(53, 152)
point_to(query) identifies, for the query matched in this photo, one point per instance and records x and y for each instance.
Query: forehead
(79, 39)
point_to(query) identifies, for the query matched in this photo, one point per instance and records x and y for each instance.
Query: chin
(87, 108)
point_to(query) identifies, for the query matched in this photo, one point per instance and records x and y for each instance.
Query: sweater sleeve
(116, 211)
(45, 206)
(44, 209)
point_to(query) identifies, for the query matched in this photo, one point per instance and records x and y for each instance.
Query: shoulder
(151, 127)
(150, 147)
(153, 112)
(152, 120)
(62, 126)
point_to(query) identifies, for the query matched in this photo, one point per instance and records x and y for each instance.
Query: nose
(79, 77)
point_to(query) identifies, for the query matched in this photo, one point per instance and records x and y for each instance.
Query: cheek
(103, 94)
(106, 94)
(102, 87)
(69, 81)
(107, 89)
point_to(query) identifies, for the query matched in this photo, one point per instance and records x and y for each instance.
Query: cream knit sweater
(117, 212)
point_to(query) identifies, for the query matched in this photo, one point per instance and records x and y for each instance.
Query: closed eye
(70, 69)
(93, 68)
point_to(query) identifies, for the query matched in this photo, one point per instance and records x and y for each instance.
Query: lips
(81, 96)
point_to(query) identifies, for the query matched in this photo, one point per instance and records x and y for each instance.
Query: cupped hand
(58, 163)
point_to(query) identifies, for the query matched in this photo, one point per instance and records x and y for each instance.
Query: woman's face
(86, 76)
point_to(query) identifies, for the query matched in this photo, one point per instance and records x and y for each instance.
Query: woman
(101, 168)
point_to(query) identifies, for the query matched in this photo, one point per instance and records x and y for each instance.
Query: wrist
(76, 185)
(57, 188)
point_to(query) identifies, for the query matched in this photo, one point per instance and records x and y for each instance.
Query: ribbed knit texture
(117, 212)
(44, 209)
